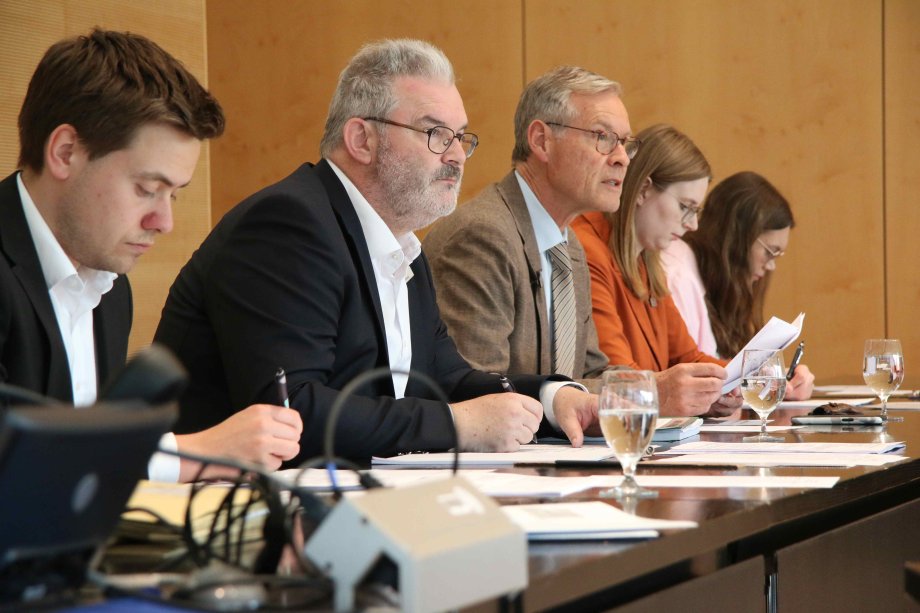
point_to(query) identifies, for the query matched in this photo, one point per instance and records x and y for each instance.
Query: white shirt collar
(544, 228)
(391, 253)
(56, 266)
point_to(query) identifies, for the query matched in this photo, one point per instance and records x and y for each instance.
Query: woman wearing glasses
(718, 275)
(636, 320)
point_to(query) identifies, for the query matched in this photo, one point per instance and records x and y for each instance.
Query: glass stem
(763, 426)
(884, 406)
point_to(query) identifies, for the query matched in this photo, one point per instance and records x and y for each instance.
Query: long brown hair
(667, 156)
(736, 212)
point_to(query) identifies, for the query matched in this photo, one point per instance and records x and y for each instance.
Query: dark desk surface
(734, 523)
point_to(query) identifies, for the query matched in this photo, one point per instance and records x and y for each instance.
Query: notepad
(586, 521)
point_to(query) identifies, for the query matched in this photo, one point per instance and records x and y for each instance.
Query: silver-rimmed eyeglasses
(772, 253)
(439, 137)
(607, 141)
(687, 212)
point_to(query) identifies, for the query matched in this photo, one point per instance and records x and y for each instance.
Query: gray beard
(412, 198)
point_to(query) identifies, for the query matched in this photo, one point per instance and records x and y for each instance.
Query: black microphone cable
(330, 460)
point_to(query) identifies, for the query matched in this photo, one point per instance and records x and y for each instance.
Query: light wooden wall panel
(28, 28)
(274, 65)
(902, 178)
(790, 89)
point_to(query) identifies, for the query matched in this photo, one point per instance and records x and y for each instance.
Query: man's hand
(690, 388)
(497, 422)
(801, 385)
(726, 405)
(260, 434)
(576, 413)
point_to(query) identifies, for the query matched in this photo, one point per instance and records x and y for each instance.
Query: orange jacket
(631, 332)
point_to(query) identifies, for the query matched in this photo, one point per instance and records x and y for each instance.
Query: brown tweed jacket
(486, 268)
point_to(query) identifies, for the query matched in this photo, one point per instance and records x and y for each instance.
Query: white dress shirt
(391, 257)
(74, 293)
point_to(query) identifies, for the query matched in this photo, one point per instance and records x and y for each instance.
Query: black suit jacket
(32, 353)
(285, 279)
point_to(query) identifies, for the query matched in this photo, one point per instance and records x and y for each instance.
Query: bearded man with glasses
(322, 274)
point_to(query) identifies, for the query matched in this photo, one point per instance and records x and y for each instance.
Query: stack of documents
(528, 454)
(586, 521)
(783, 454)
(669, 429)
(144, 541)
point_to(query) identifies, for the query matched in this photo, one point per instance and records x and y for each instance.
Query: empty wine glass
(883, 369)
(763, 385)
(628, 412)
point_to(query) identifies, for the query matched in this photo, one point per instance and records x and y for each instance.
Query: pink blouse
(687, 290)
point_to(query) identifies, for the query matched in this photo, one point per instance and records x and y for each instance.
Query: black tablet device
(65, 477)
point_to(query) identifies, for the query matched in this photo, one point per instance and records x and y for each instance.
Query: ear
(540, 139)
(360, 140)
(643, 191)
(63, 152)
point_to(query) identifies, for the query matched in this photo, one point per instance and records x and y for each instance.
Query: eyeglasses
(771, 253)
(439, 137)
(687, 212)
(607, 141)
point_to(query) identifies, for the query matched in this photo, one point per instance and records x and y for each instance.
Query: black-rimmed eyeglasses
(607, 141)
(439, 137)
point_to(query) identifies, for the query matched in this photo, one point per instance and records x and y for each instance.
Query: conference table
(846, 548)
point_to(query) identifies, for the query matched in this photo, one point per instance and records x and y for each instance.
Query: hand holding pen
(796, 358)
(281, 384)
(800, 382)
(509, 387)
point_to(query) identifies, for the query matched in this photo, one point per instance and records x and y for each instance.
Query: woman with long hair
(637, 322)
(718, 275)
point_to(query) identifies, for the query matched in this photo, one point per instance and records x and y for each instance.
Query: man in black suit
(110, 131)
(321, 274)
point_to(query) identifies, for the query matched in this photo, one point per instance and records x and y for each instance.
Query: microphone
(372, 537)
(154, 376)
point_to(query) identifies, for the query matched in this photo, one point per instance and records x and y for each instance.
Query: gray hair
(365, 86)
(547, 98)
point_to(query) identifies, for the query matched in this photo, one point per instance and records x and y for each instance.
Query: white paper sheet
(716, 447)
(781, 459)
(854, 390)
(776, 334)
(816, 402)
(586, 521)
(528, 454)
(739, 481)
(899, 405)
(745, 428)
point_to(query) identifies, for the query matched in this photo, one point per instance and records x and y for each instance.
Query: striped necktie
(563, 301)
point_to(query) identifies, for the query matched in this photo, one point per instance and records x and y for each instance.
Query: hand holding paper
(776, 334)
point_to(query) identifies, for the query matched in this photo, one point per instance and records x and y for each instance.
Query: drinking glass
(883, 369)
(763, 385)
(628, 412)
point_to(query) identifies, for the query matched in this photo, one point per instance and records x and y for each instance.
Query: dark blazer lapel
(17, 244)
(354, 234)
(111, 328)
(510, 191)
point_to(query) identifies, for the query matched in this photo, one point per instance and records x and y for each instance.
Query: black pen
(509, 387)
(796, 358)
(281, 383)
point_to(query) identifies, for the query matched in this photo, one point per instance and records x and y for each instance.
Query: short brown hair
(548, 98)
(107, 85)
